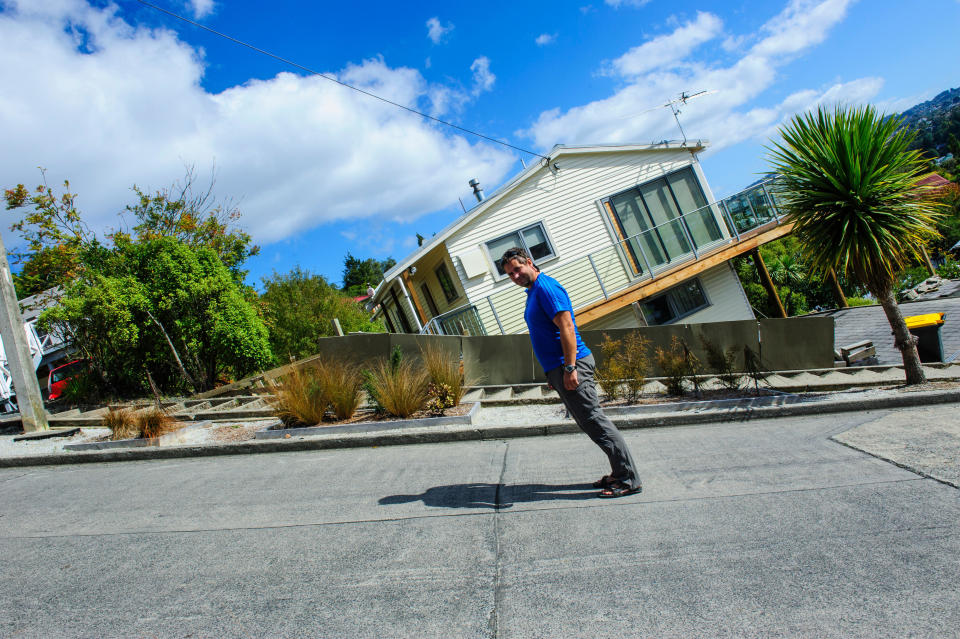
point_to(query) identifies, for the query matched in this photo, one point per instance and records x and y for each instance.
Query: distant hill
(937, 123)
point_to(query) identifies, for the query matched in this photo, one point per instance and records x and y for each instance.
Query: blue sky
(115, 94)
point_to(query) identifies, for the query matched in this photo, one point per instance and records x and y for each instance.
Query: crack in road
(498, 559)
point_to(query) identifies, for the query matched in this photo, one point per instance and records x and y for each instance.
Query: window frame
(428, 297)
(671, 302)
(442, 266)
(553, 255)
(614, 226)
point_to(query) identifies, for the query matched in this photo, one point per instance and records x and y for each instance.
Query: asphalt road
(761, 528)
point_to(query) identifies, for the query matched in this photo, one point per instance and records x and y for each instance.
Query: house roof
(555, 154)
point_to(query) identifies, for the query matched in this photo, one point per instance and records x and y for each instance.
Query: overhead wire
(340, 82)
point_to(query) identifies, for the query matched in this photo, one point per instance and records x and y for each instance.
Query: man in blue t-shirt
(569, 366)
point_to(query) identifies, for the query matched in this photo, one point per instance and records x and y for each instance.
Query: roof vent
(477, 191)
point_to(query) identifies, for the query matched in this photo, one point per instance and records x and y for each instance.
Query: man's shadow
(493, 495)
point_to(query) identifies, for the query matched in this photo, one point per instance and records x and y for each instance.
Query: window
(428, 296)
(446, 284)
(533, 239)
(649, 218)
(678, 302)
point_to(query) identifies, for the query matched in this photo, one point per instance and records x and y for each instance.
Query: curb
(466, 432)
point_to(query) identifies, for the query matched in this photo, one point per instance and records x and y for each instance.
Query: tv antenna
(674, 106)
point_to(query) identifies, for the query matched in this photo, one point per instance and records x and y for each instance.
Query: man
(569, 366)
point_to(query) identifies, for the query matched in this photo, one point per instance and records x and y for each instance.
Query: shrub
(860, 301)
(121, 423)
(441, 398)
(624, 365)
(341, 385)
(678, 365)
(722, 363)
(300, 398)
(444, 371)
(82, 388)
(754, 368)
(949, 270)
(399, 387)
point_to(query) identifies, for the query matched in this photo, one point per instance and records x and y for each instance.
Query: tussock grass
(300, 397)
(153, 422)
(399, 386)
(624, 366)
(444, 369)
(341, 384)
(679, 365)
(121, 422)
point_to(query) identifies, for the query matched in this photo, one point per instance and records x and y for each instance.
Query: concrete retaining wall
(783, 344)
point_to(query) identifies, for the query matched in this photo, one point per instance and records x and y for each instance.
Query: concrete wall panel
(796, 343)
(500, 359)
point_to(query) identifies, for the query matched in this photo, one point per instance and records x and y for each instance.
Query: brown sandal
(603, 482)
(618, 489)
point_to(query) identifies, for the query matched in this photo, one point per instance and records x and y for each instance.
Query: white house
(633, 233)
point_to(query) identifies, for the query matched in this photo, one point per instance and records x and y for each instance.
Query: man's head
(519, 267)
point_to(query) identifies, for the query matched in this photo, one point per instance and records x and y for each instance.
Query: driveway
(760, 528)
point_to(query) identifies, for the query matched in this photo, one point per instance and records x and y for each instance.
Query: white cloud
(616, 4)
(483, 78)
(200, 8)
(545, 38)
(297, 152)
(663, 52)
(666, 67)
(437, 31)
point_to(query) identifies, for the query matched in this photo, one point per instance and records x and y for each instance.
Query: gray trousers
(584, 407)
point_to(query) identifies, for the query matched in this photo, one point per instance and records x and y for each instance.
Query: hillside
(937, 123)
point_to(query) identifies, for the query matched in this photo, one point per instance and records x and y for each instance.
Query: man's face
(521, 272)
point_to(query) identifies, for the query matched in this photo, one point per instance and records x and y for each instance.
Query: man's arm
(568, 341)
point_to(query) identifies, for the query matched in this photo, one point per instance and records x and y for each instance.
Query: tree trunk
(926, 262)
(176, 355)
(903, 339)
(767, 282)
(841, 298)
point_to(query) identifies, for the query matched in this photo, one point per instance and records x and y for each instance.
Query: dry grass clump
(126, 423)
(154, 422)
(341, 385)
(398, 386)
(121, 423)
(624, 365)
(446, 371)
(301, 397)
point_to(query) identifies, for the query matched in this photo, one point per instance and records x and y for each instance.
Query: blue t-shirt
(545, 299)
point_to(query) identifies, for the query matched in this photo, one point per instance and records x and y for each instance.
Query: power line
(333, 79)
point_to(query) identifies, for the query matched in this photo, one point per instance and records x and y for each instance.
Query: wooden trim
(416, 301)
(678, 274)
(616, 229)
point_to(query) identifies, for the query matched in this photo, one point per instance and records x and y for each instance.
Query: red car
(57, 381)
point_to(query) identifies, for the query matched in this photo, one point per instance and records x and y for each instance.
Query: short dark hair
(516, 253)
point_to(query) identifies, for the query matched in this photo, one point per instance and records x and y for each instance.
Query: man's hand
(570, 381)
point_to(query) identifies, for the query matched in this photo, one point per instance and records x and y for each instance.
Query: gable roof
(555, 154)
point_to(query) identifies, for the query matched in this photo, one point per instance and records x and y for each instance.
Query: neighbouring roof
(555, 153)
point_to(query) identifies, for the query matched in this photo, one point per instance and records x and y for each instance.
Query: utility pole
(29, 400)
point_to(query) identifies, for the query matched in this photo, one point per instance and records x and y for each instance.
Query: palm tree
(849, 183)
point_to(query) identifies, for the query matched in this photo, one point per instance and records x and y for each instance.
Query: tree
(299, 309)
(850, 185)
(358, 274)
(161, 307)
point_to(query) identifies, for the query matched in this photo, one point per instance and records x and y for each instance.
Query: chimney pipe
(477, 191)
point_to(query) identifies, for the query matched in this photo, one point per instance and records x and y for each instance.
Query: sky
(109, 95)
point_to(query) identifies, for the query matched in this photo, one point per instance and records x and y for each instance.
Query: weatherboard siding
(566, 205)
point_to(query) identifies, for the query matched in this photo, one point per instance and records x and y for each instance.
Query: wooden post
(767, 282)
(29, 400)
(841, 298)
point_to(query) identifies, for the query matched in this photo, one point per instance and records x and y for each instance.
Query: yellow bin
(927, 330)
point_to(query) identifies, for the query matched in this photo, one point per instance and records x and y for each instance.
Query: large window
(676, 303)
(446, 282)
(533, 239)
(659, 219)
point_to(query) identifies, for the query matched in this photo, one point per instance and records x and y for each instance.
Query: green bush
(679, 365)
(860, 301)
(949, 270)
